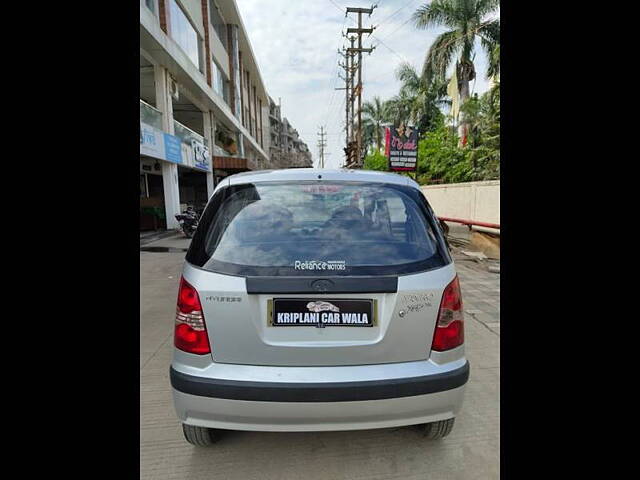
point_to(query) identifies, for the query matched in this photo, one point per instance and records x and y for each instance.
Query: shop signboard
(151, 141)
(200, 155)
(172, 148)
(402, 148)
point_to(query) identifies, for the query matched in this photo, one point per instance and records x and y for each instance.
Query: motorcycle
(188, 221)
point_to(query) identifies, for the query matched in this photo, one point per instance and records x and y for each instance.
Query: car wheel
(199, 436)
(437, 430)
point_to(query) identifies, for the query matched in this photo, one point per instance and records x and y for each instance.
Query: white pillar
(241, 151)
(210, 186)
(163, 97)
(209, 135)
(171, 193)
(169, 170)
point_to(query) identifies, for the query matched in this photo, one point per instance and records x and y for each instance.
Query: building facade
(287, 150)
(204, 108)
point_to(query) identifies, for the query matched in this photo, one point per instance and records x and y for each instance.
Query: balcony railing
(150, 115)
(186, 134)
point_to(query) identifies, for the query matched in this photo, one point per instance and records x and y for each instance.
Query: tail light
(450, 327)
(190, 333)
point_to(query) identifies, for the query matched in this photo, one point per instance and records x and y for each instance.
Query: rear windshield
(315, 228)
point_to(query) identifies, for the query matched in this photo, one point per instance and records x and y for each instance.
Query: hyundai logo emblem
(322, 285)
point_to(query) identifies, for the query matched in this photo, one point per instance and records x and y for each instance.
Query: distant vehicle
(279, 254)
(188, 221)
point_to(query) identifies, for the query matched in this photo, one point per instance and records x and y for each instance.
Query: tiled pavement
(480, 292)
(471, 451)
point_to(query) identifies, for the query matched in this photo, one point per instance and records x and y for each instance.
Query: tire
(199, 436)
(440, 429)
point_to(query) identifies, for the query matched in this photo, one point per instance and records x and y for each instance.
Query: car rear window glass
(315, 228)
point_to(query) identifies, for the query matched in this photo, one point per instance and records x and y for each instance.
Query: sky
(296, 46)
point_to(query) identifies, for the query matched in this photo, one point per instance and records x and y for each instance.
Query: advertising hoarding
(401, 147)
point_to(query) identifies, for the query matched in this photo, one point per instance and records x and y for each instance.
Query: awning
(234, 163)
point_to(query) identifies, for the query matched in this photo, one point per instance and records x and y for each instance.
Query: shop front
(227, 156)
(156, 149)
(152, 212)
(192, 172)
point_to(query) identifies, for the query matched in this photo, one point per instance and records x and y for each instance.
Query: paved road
(471, 451)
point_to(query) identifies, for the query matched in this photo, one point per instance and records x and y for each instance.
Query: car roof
(301, 174)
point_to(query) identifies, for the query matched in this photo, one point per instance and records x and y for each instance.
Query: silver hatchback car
(318, 300)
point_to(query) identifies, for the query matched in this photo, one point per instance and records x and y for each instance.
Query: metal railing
(150, 115)
(471, 222)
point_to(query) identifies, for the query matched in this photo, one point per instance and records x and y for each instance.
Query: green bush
(376, 161)
(440, 159)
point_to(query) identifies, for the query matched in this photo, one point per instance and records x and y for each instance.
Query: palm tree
(368, 137)
(483, 117)
(420, 100)
(374, 116)
(473, 113)
(494, 63)
(467, 21)
(400, 108)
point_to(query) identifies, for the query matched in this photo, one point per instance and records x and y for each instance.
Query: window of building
(227, 92)
(184, 34)
(218, 23)
(151, 5)
(255, 114)
(247, 103)
(218, 80)
(260, 122)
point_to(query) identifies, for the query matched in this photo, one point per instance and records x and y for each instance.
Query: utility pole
(322, 143)
(358, 89)
(353, 67)
(346, 77)
(349, 70)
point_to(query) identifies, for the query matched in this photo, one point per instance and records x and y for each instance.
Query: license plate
(310, 312)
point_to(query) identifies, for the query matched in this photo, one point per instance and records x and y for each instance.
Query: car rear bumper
(316, 406)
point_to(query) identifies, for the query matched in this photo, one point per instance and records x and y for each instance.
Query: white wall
(479, 201)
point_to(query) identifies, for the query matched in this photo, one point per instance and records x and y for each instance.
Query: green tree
(473, 111)
(421, 100)
(494, 63)
(467, 22)
(440, 159)
(399, 108)
(374, 115)
(483, 149)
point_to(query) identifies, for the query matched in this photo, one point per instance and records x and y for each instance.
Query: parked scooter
(188, 221)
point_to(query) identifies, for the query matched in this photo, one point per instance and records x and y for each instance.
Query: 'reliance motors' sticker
(320, 265)
(318, 189)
